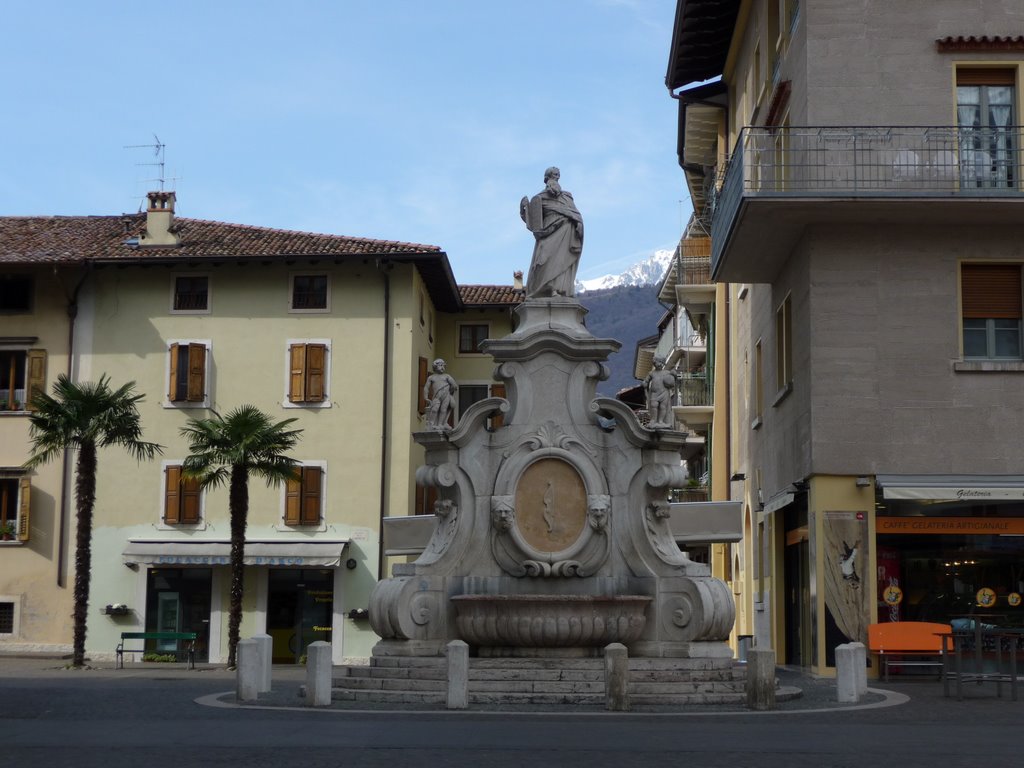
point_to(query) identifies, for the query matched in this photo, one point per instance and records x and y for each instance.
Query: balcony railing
(865, 161)
(694, 390)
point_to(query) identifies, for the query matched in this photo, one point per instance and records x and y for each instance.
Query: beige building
(335, 332)
(858, 167)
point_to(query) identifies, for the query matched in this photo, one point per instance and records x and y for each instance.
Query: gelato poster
(847, 589)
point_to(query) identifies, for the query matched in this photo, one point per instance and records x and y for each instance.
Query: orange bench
(899, 642)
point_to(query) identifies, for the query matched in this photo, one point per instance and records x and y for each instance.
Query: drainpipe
(385, 269)
(72, 311)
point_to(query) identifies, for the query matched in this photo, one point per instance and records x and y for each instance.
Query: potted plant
(7, 531)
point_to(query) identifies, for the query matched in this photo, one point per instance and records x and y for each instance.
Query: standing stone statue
(558, 228)
(659, 386)
(439, 392)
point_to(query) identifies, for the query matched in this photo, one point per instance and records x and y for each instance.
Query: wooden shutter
(423, 375)
(497, 390)
(311, 477)
(189, 500)
(196, 373)
(316, 368)
(297, 373)
(293, 499)
(984, 76)
(172, 495)
(24, 508)
(172, 388)
(36, 384)
(991, 290)
(426, 495)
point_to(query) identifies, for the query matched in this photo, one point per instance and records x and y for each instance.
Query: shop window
(15, 294)
(15, 507)
(986, 120)
(22, 377)
(471, 336)
(187, 375)
(784, 346)
(182, 497)
(191, 293)
(307, 373)
(310, 293)
(991, 308)
(304, 496)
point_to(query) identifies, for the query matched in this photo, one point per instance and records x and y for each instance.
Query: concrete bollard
(851, 672)
(265, 644)
(458, 675)
(616, 677)
(319, 674)
(761, 678)
(247, 673)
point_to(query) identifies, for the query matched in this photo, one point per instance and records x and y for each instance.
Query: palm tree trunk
(85, 500)
(238, 505)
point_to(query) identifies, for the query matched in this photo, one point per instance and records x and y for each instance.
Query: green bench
(189, 637)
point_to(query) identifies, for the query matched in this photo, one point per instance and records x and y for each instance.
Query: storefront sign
(892, 595)
(986, 597)
(980, 526)
(951, 493)
(225, 560)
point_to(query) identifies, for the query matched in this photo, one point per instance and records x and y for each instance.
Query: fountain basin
(525, 624)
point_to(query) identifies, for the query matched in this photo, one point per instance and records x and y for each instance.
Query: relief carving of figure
(439, 392)
(557, 225)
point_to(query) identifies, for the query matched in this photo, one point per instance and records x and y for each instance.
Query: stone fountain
(553, 532)
(552, 535)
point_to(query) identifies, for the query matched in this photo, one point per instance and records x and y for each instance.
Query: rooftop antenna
(158, 148)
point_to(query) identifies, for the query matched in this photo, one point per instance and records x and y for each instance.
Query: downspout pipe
(385, 418)
(62, 523)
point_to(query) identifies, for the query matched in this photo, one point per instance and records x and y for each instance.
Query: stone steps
(541, 681)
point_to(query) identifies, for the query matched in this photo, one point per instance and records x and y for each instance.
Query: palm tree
(227, 449)
(84, 417)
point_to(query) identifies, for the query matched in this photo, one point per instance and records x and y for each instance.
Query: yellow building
(335, 332)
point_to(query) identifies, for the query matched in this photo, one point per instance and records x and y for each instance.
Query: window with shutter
(303, 503)
(22, 377)
(990, 296)
(307, 372)
(497, 421)
(424, 373)
(187, 371)
(182, 496)
(15, 507)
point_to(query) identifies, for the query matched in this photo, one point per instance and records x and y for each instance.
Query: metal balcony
(779, 179)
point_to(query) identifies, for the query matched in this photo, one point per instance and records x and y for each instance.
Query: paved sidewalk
(818, 694)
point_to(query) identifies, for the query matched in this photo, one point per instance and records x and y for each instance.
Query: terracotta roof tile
(46, 239)
(491, 295)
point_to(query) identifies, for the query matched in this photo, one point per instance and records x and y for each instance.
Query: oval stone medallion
(551, 505)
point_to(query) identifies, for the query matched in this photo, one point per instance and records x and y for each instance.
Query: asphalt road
(55, 718)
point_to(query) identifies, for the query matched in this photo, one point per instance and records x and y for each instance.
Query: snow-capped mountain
(647, 272)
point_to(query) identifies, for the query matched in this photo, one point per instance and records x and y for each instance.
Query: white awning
(309, 554)
(706, 522)
(952, 487)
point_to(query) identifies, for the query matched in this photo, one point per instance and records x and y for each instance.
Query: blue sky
(415, 120)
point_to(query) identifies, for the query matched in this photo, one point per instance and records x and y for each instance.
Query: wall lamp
(863, 482)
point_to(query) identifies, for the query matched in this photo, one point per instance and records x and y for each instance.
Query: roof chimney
(160, 229)
(517, 279)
